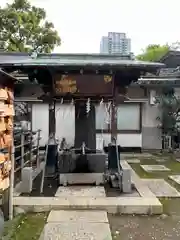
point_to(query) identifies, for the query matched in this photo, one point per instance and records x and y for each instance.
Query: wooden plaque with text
(83, 85)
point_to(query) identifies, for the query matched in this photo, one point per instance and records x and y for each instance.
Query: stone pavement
(74, 216)
(135, 155)
(151, 168)
(76, 231)
(175, 178)
(132, 161)
(161, 188)
(77, 224)
(160, 160)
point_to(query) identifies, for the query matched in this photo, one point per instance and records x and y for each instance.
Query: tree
(22, 111)
(153, 52)
(24, 28)
(169, 120)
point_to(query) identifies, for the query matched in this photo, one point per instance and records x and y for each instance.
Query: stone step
(74, 225)
(76, 216)
(76, 231)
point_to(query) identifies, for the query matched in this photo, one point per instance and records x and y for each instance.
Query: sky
(82, 23)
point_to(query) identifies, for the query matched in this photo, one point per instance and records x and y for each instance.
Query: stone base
(81, 178)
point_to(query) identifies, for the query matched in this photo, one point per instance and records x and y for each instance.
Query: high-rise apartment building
(115, 43)
(104, 45)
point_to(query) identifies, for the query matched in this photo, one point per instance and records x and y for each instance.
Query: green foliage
(153, 52)
(170, 112)
(24, 28)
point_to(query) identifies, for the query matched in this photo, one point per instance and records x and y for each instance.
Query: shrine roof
(171, 59)
(76, 60)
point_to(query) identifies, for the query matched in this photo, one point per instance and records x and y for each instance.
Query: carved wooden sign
(66, 84)
(83, 84)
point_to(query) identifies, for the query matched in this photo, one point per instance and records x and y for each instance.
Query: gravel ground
(164, 227)
(145, 228)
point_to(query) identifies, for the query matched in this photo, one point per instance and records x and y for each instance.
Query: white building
(115, 43)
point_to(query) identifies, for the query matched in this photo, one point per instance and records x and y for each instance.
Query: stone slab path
(76, 231)
(74, 216)
(151, 168)
(131, 161)
(161, 188)
(161, 160)
(136, 155)
(77, 224)
(175, 178)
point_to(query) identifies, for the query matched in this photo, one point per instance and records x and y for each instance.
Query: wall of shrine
(65, 126)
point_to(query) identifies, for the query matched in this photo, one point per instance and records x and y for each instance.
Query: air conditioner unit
(152, 97)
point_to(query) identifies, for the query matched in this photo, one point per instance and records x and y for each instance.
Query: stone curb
(121, 205)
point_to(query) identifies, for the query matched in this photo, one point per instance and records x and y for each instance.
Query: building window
(103, 120)
(128, 117)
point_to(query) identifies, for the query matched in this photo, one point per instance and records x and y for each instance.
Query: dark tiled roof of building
(76, 60)
(165, 72)
(171, 59)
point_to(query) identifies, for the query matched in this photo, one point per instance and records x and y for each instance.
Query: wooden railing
(26, 151)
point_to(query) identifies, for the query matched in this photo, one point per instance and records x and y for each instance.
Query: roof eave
(168, 54)
(142, 67)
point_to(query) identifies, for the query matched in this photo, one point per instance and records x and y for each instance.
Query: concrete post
(126, 181)
(27, 180)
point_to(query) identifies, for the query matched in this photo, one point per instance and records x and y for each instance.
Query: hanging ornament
(72, 102)
(108, 113)
(88, 106)
(102, 101)
(83, 148)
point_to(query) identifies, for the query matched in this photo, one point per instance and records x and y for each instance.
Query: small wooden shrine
(84, 80)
